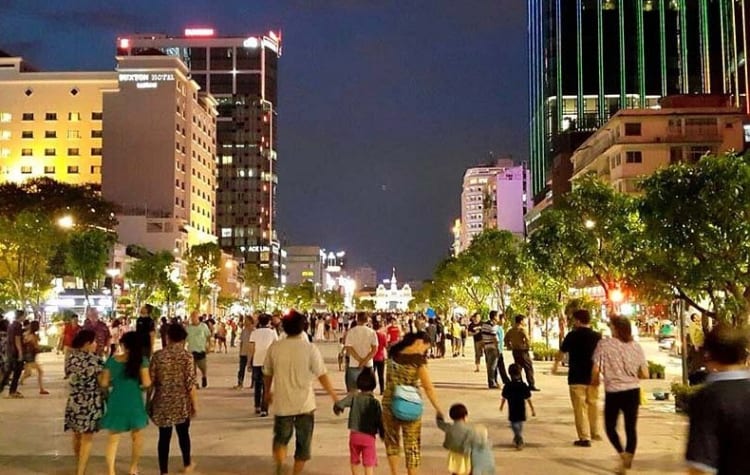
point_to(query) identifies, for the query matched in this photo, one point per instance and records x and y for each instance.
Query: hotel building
(160, 154)
(51, 123)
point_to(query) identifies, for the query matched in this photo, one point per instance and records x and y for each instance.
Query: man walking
(361, 344)
(291, 365)
(500, 332)
(100, 329)
(198, 339)
(260, 340)
(518, 341)
(580, 344)
(491, 352)
(719, 437)
(475, 330)
(14, 356)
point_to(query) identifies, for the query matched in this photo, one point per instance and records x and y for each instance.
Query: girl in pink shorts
(365, 422)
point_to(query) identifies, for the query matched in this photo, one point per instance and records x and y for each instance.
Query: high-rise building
(51, 123)
(159, 149)
(476, 199)
(512, 199)
(241, 73)
(591, 58)
(305, 264)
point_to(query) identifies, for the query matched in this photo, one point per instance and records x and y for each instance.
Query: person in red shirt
(379, 359)
(393, 332)
(70, 330)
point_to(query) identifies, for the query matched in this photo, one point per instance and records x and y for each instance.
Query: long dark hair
(621, 329)
(83, 338)
(134, 344)
(408, 340)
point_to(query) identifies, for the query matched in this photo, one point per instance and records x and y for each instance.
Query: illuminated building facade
(477, 198)
(159, 155)
(592, 58)
(241, 73)
(51, 123)
(393, 299)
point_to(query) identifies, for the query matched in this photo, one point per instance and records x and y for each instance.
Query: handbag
(407, 403)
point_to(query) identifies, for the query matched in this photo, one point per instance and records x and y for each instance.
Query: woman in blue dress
(126, 376)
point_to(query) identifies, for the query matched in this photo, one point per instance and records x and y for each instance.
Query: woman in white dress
(320, 330)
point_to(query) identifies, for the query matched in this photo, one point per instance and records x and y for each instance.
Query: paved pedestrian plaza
(229, 439)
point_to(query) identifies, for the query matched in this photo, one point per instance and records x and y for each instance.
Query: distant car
(667, 330)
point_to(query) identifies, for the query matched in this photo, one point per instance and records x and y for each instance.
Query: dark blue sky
(383, 103)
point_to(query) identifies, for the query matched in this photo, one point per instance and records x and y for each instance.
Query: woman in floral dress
(173, 396)
(85, 406)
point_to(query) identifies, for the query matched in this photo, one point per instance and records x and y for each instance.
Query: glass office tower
(590, 58)
(241, 73)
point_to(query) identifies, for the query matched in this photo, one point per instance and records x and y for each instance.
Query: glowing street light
(66, 222)
(590, 224)
(616, 296)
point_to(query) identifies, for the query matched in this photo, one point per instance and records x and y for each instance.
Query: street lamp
(66, 222)
(589, 224)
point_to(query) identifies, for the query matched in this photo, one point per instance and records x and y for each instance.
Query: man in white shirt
(291, 365)
(260, 340)
(198, 338)
(361, 345)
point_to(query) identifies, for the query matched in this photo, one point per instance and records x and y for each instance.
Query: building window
(50, 116)
(26, 170)
(48, 170)
(96, 169)
(96, 152)
(697, 152)
(96, 116)
(74, 116)
(96, 134)
(633, 157)
(4, 134)
(49, 152)
(74, 134)
(73, 152)
(633, 129)
(26, 152)
(27, 116)
(73, 170)
(27, 134)
(675, 155)
(5, 117)
(50, 134)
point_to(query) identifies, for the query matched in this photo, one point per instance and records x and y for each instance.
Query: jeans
(380, 370)
(491, 355)
(626, 402)
(241, 372)
(523, 359)
(517, 428)
(13, 370)
(165, 438)
(351, 378)
(584, 400)
(260, 390)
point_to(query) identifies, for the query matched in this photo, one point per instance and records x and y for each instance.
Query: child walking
(365, 422)
(482, 460)
(458, 440)
(517, 394)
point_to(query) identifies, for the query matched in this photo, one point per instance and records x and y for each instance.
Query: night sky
(383, 103)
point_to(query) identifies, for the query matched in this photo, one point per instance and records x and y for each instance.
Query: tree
(334, 300)
(27, 243)
(259, 280)
(301, 296)
(456, 276)
(594, 232)
(87, 256)
(202, 262)
(542, 295)
(697, 220)
(149, 274)
(364, 305)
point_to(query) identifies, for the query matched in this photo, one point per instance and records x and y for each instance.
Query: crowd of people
(118, 382)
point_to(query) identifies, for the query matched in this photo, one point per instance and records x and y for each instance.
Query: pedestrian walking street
(229, 439)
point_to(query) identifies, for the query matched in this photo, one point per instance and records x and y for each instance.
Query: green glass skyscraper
(590, 58)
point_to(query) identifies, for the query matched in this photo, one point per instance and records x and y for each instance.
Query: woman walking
(125, 375)
(378, 360)
(85, 405)
(407, 368)
(173, 396)
(30, 352)
(621, 362)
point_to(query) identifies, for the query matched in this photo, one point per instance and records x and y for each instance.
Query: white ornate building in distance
(393, 299)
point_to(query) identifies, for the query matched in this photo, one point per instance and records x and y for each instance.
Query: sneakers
(263, 413)
(518, 441)
(582, 443)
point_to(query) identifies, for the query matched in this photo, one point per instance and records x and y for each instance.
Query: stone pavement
(229, 439)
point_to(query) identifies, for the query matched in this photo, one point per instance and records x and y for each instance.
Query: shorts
(362, 449)
(302, 425)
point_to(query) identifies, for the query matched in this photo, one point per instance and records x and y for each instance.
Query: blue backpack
(407, 403)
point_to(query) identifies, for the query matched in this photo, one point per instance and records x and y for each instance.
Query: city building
(476, 199)
(366, 276)
(393, 299)
(51, 123)
(305, 264)
(456, 233)
(241, 73)
(159, 155)
(635, 143)
(512, 200)
(592, 58)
